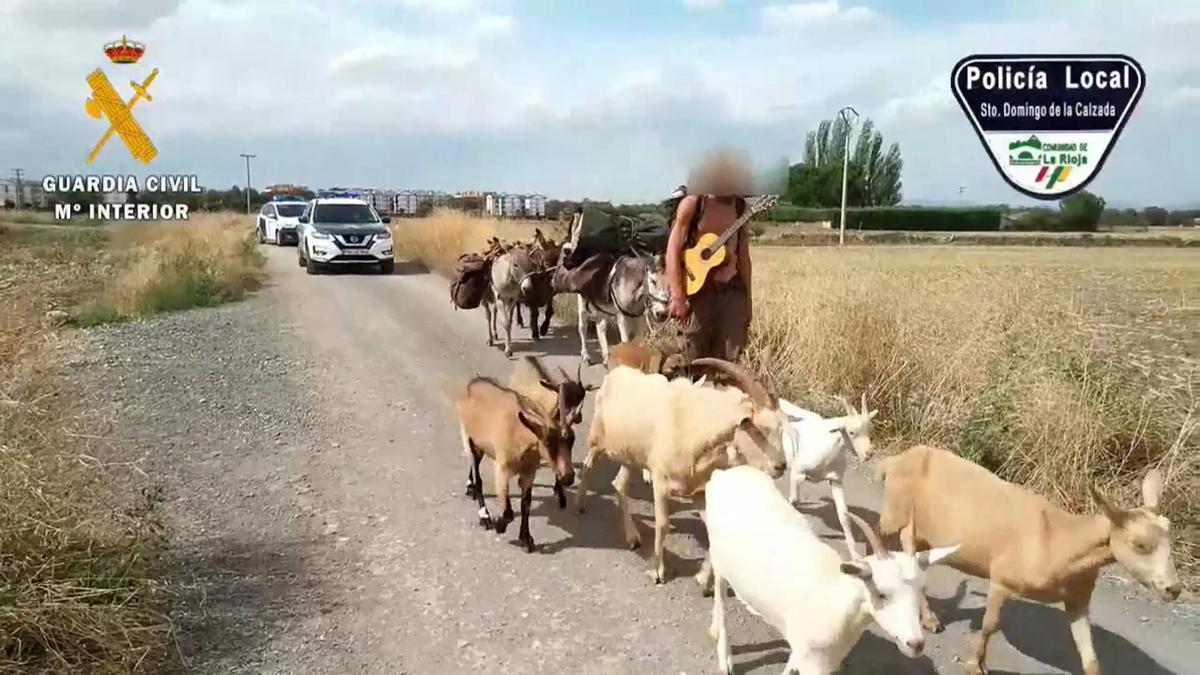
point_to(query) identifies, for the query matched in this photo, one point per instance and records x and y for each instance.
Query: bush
(914, 218)
(1080, 212)
(789, 213)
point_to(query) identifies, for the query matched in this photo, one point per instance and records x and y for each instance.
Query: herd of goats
(709, 431)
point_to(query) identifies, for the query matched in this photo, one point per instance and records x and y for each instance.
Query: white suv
(343, 232)
(278, 220)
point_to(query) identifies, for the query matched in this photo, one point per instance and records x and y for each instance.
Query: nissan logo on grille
(354, 238)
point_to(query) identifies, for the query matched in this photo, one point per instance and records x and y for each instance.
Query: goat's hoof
(562, 501)
(974, 668)
(705, 584)
(527, 542)
(932, 625)
(485, 523)
(508, 351)
(658, 576)
(633, 542)
(587, 360)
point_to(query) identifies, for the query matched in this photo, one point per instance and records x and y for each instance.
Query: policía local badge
(1048, 121)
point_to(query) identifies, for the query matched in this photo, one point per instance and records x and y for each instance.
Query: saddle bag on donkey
(470, 280)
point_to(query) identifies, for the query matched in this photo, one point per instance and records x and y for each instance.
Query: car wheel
(313, 267)
(387, 266)
(300, 256)
(261, 239)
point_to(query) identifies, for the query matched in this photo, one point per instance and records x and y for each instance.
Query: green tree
(1081, 211)
(873, 178)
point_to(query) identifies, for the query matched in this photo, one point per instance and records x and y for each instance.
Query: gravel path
(312, 478)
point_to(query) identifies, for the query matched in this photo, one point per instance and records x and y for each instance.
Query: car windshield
(290, 210)
(343, 213)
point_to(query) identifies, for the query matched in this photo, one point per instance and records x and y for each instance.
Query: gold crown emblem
(124, 51)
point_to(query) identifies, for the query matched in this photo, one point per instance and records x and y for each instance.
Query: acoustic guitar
(709, 251)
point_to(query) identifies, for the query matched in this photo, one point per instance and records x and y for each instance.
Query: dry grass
(77, 571)
(1054, 367)
(208, 260)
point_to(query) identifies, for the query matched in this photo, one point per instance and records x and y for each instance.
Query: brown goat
(507, 427)
(560, 400)
(1023, 543)
(650, 360)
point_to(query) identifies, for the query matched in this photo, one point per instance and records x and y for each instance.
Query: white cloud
(801, 15)
(443, 5)
(113, 14)
(702, 4)
(1186, 95)
(493, 26)
(340, 83)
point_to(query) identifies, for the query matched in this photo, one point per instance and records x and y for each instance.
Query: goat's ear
(547, 383)
(1110, 510)
(1152, 486)
(857, 569)
(591, 387)
(934, 556)
(532, 423)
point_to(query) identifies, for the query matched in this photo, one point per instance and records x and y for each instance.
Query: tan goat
(680, 431)
(507, 427)
(637, 354)
(556, 399)
(1021, 541)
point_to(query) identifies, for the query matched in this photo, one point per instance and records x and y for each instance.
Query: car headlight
(386, 234)
(320, 235)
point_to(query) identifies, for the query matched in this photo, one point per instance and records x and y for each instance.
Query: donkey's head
(658, 293)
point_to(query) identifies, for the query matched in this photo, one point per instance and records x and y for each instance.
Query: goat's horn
(563, 372)
(870, 533)
(746, 382)
(864, 403)
(846, 404)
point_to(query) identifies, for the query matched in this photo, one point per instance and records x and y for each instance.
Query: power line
(18, 173)
(247, 180)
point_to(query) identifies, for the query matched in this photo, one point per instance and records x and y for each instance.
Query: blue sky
(610, 100)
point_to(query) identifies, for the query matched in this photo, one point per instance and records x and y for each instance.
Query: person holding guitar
(710, 298)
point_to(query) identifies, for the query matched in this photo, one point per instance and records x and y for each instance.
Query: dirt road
(312, 471)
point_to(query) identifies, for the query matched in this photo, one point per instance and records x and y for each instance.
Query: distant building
(505, 205)
(384, 201)
(416, 202)
(32, 194)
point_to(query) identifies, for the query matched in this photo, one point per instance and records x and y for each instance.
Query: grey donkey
(517, 279)
(636, 287)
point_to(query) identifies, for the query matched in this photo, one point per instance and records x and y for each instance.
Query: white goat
(680, 431)
(1026, 545)
(785, 574)
(818, 448)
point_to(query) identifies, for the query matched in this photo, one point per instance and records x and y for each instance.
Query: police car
(278, 220)
(343, 231)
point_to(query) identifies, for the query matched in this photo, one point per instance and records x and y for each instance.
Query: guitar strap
(691, 238)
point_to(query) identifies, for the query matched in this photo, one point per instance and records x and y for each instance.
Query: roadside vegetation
(82, 581)
(165, 266)
(1056, 367)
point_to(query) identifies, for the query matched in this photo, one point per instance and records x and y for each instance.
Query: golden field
(1055, 367)
(81, 585)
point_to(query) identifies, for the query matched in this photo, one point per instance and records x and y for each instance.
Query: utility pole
(247, 180)
(17, 173)
(845, 113)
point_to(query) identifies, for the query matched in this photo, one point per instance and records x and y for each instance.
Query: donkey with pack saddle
(616, 268)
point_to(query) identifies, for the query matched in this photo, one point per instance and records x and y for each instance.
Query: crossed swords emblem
(106, 102)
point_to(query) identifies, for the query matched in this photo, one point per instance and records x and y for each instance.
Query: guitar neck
(733, 228)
